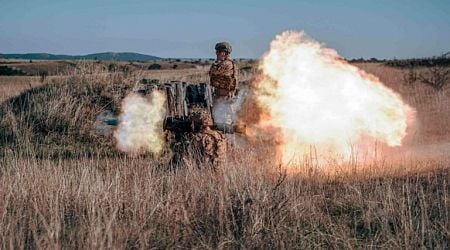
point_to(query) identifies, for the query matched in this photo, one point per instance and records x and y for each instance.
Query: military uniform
(203, 145)
(211, 146)
(223, 77)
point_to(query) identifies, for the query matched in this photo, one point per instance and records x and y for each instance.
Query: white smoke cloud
(225, 110)
(141, 123)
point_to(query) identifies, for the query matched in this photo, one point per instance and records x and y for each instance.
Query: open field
(432, 106)
(61, 185)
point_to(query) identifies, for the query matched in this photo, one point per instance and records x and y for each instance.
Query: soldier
(203, 144)
(209, 143)
(223, 72)
(223, 77)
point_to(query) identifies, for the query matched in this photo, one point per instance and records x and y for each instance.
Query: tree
(436, 77)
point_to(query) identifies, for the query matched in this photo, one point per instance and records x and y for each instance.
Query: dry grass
(80, 193)
(11, 86)
(131, 203)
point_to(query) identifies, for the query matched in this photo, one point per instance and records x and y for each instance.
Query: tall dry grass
(134, 203)
(81, 193)
(11, 86)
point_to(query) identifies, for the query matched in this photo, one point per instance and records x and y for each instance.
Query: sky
(190, 28)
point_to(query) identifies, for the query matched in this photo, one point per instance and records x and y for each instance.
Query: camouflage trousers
(207, 147)
(211, 146)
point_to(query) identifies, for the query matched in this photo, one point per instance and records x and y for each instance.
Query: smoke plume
(141, 123)
(226, 110)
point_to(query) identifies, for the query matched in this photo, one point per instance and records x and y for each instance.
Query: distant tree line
(436, 73)
(419, 62)
(443, 60)
(362, 60)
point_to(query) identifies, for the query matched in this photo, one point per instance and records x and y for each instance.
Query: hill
(105, 56)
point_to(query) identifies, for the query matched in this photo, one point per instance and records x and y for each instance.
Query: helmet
(223, 46)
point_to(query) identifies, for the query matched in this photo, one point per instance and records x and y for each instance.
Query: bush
(154, 66)
(112, 67)
(8, 71)
(43, 75)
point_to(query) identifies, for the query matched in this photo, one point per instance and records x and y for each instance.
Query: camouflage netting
(57, 119)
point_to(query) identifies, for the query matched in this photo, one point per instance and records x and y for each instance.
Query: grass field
(63, 186)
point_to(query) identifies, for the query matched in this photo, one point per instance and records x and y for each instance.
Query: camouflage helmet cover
(223, 46)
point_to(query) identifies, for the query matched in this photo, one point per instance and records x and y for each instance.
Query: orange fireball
(316, 99)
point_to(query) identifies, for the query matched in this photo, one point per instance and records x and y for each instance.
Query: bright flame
(316, 99)
(141, 123)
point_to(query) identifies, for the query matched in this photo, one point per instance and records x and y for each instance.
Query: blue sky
(176, 28)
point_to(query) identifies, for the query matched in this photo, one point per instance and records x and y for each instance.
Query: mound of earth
(57, 119)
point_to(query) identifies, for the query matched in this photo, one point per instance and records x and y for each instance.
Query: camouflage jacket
(223, 77)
